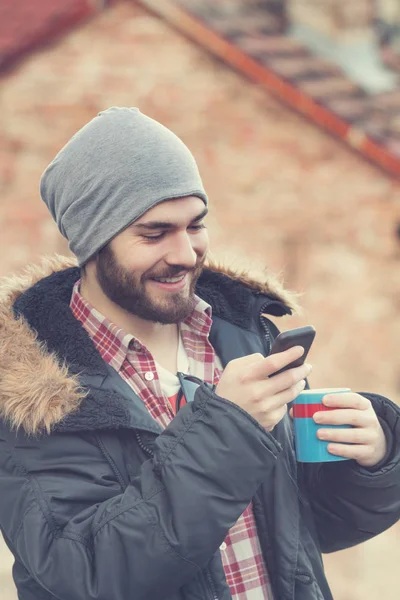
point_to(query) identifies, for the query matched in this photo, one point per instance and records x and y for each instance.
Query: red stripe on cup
(306, 411)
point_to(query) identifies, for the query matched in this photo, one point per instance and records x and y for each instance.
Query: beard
(127, 290)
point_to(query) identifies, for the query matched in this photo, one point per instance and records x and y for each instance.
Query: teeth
(171, 279)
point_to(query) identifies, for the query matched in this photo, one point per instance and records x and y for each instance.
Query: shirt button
(223, 546)
(149, 376)
(137, 346)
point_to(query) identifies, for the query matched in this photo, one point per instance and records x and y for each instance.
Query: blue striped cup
(308, 447)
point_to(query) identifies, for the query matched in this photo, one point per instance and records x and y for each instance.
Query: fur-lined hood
(36, 391)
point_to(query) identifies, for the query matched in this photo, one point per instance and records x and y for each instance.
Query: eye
(197, 227)
(159, 236)
(154, 237)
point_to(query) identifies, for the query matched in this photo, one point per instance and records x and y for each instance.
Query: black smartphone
(302, 336)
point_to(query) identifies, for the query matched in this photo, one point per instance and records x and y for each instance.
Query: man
(146, 452)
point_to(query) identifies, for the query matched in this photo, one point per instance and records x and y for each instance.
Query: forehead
(176, 210)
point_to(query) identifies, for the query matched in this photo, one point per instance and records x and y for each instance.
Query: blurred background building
(299, 151)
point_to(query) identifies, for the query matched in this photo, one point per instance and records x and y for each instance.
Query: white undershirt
(169, 382)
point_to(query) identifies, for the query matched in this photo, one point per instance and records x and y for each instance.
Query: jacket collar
(46, 355)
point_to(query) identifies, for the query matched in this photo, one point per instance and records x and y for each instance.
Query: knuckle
(362, 403)
(257, 392)
(274, 363)
(360, 422)
(243, 377)
(290, 380)
(367, 403)
(252, 359)
(347, 419)
(265, 409)
(294, 392)
(357, 436)
(293, 376)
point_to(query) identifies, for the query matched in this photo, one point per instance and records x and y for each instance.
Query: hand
(247, 382)
(366, 442)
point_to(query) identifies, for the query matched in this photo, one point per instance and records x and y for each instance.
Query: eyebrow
(168, 224)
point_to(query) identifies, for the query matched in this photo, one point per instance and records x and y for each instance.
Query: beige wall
(283, 194)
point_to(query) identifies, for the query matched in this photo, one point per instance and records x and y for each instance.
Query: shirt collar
(95, 322)
(200, 318)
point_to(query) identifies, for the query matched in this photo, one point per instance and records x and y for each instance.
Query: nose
(182, 251)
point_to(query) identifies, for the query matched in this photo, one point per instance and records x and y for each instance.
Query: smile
(171, 284)
(170, 279)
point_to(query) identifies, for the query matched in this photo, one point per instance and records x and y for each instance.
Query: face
(150, 269)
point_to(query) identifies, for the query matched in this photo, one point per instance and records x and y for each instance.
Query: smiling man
(146, 449)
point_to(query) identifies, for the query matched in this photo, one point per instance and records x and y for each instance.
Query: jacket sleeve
(142, 542)
(351, 504)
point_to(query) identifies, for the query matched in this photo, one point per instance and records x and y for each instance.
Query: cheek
(201, 243)
(138, 258)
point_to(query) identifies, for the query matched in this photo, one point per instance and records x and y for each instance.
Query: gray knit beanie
(113, 170)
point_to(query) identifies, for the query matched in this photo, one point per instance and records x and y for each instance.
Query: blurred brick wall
(283, 194)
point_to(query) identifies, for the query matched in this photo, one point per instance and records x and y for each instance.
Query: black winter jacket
(97, 503)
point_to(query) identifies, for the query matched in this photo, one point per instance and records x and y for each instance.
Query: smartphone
(302, 336)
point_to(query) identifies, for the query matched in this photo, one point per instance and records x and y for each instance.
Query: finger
(252, 358)
(249, 359)
(346, 416)
(346, 436)
(242, 365)
(346, 400)
(357, 452)
(275, 362)
(284, 397)
(287, 379)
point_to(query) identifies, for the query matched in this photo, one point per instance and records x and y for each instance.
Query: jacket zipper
(110, 460)
(211, 584)
(142, 446)
(264, 327)
(207, 574)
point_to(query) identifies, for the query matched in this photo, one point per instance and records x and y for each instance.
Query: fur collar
(37, 390)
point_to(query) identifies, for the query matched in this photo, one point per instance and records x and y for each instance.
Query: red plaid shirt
(242, 559)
